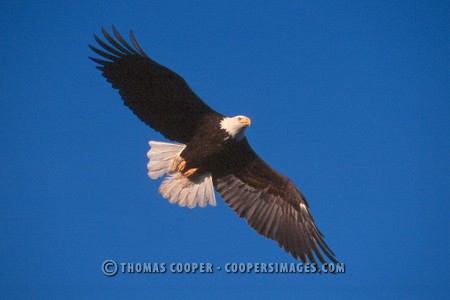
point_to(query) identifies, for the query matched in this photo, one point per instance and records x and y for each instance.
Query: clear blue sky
(350, 99)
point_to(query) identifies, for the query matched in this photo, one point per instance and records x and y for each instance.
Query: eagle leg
(190, 172)
(181, 166)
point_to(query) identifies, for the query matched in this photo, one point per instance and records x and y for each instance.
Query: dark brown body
(213, 150)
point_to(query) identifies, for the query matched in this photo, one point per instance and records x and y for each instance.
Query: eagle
(210, 151)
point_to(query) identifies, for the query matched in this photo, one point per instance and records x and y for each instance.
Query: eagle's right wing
(158, 96)
(271, 204)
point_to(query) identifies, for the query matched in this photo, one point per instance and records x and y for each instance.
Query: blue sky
(350, 99)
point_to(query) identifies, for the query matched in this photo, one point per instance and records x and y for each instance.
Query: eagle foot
(181, 166)
(190, 172)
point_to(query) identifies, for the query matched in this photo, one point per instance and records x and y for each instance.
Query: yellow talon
(190, 172)
(181, 166)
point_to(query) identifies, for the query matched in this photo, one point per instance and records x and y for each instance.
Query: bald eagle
(211, 152)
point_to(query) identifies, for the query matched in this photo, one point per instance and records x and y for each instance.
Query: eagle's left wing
(272, 205)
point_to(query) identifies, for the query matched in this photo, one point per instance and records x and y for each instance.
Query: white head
(235, 126)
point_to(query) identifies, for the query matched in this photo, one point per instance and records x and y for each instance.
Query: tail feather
(182, 198)
(161, 156)
(163, 160)
(175, 193)
(179, 189)
(190, 200)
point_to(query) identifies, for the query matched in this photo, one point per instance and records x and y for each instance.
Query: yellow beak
(247, 121)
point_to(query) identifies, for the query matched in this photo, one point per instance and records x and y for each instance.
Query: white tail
(164, 159)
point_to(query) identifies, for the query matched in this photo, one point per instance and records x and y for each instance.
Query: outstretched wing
(272, 205)
(158, 96)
